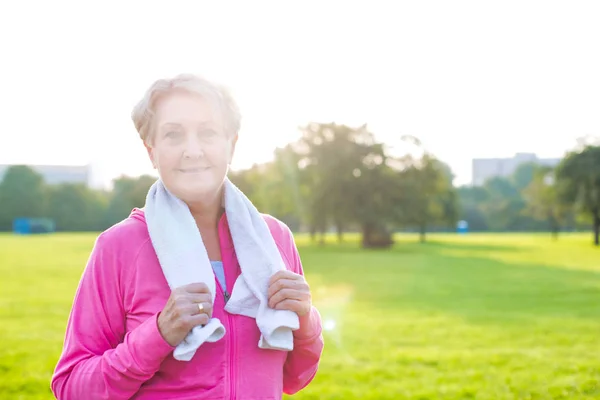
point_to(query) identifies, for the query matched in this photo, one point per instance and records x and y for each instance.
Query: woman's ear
(150, 152)
(232, 150)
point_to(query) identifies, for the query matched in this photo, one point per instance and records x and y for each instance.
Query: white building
(55, 174)
(486, 168)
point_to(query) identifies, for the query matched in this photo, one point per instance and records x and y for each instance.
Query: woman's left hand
(289, 291)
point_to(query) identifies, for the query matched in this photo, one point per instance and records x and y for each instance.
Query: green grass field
(461, 317)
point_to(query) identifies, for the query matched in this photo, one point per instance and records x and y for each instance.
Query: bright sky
(470, 79)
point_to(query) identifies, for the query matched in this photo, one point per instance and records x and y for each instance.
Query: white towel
(183, 259)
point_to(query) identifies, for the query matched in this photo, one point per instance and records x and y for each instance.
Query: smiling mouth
(193, 170)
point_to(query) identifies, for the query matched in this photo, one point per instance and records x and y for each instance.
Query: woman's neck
(207, 213)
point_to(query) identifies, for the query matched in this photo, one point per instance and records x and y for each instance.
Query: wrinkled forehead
(170, 124)
(186, 109)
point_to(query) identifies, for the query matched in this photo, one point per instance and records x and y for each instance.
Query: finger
(183, 300)
(196, 287)
(283, 274)
(196, 320)
(291, 305)
(287, 294)
(191, 309)
(207, 308)
(199, 298)
(283, 284)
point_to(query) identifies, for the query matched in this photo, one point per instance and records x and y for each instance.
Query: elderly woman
(129, 317)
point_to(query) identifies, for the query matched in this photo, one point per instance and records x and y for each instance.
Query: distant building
(56, 174)
(486, 168)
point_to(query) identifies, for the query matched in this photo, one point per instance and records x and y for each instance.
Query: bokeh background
(438, 162)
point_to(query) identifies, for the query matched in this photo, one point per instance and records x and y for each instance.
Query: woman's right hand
(182, 313)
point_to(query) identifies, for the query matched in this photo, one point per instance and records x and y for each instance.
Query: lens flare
(329, 325)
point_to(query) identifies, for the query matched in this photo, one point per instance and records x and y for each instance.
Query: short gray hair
(219, 96)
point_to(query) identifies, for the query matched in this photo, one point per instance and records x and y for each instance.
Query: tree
(274, 187)
(127, 194)
(504, 205)
(21, 195)
(377, 199)
(542, 199)
(471, 199)
(290, 183)
(333, 158)
(578, 176)
(250, 181)
(427, 196)
(75, 207)
(523, 175)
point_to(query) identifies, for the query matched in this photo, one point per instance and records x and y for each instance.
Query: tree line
(340, 178)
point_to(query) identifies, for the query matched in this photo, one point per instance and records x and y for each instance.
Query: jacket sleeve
(99, 359)
(303, 361)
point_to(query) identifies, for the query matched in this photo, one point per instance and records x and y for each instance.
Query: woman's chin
(198, 193)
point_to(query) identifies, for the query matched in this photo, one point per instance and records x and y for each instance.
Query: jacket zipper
(226, 297)
(231, 359)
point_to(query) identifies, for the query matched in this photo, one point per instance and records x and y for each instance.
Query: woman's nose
(193, 147)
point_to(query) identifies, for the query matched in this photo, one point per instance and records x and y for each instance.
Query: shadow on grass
(404, 245)
(478, 288)
(474, 247)
(471, 286)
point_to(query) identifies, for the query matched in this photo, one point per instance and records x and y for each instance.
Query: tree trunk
(596, 227)
(554, 227)
(313, 233)
(366, 235)
(322, 231)
(422, 232)
(374, 236)
(340, 232)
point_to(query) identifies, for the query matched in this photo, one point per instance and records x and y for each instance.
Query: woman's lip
(193, 170)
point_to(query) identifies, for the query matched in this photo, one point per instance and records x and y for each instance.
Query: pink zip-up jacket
(114, 350)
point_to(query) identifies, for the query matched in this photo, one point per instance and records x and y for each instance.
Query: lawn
(486, 316)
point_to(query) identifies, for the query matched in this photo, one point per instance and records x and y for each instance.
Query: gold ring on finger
(201, 307)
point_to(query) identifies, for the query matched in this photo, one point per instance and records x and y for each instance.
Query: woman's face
(190, 148)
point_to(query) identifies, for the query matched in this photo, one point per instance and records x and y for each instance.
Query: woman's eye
(207, 134)
(173, 134)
